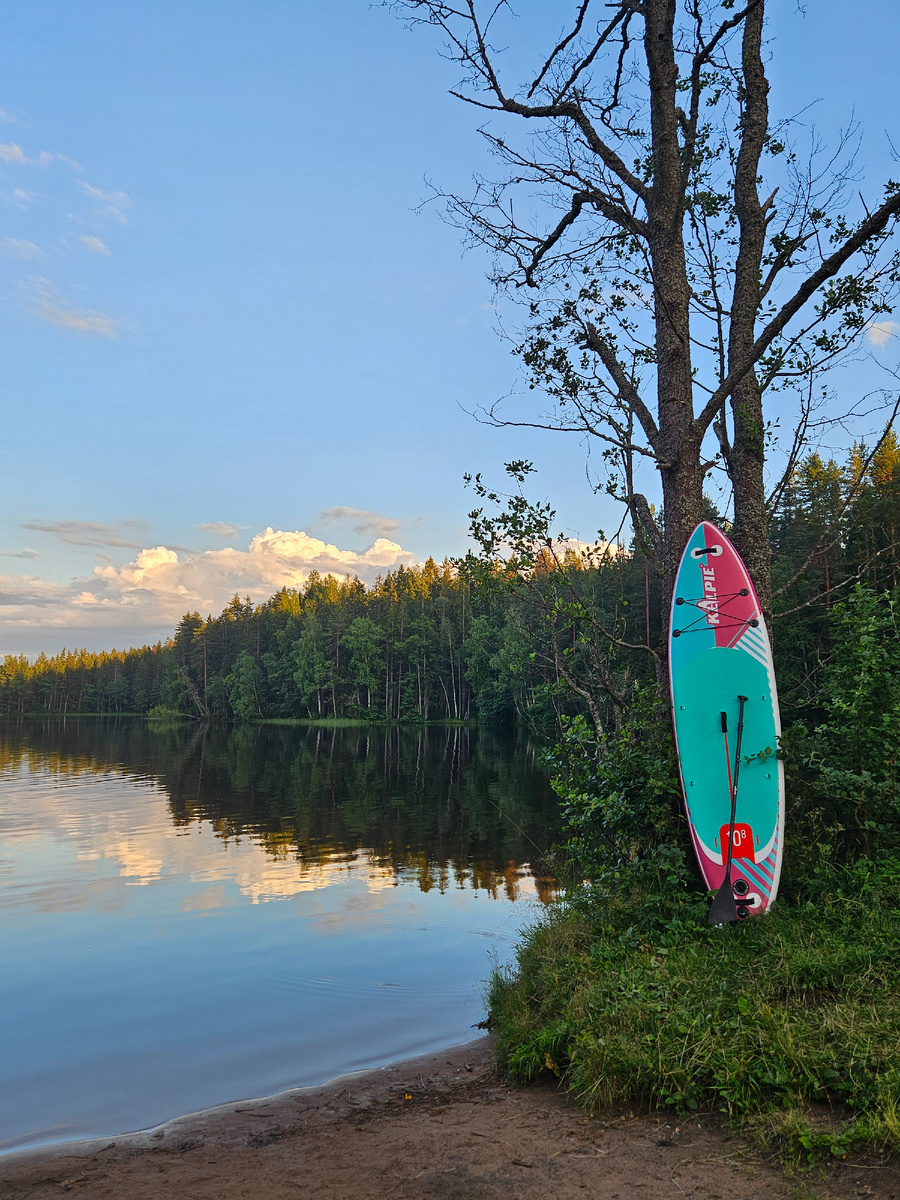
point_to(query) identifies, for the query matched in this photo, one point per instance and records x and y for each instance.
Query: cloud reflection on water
(107, 827)
(196, 914)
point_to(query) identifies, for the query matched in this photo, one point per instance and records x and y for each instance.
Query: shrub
(622, 804)
(842, 771)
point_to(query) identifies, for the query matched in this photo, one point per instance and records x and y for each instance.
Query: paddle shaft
(734, 787)
(725, 907)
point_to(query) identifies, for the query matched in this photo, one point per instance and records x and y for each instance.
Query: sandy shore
(446, 1125)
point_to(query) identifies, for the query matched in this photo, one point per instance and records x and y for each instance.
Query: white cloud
(50, 307)
(100, 194)
(8, 117)
(274, 559)
(20, 248)
(70, 162)
(156, 588)
(361, 520)
(220, 528)
(18, 198)
(591, 550)
(84, 320)
(880, 332)
(113, 203)
(95, 244)
(146, 570)
(10, 152)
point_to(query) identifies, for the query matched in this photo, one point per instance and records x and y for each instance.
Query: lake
(191, 915)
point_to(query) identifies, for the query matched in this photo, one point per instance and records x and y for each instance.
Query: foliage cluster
(622, 803)
(843, 769)
(82, 681)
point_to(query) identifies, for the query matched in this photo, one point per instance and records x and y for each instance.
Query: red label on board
(742, 841)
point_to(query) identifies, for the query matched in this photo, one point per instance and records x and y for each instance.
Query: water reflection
(446, 807)
(195, 915)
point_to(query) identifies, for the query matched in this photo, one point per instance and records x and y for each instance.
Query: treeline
(836, 525)
(80, 681)
(449, 642)
(394, 651)
(408, 648)
(426, 643)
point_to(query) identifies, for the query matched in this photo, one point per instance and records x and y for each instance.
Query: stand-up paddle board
(727, 726)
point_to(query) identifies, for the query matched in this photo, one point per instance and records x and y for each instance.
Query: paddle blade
(722, 910)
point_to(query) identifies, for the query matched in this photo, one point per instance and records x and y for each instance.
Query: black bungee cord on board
(697, 624)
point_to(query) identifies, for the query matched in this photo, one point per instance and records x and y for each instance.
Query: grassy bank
(790, 1023)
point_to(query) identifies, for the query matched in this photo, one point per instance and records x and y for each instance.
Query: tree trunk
(746, 454)
(679, 442)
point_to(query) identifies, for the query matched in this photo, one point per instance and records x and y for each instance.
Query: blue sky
(221, 313)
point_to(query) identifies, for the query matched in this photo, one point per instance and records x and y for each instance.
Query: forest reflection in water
(194, 914)
(439, 804)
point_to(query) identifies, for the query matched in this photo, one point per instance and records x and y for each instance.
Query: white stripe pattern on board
(753, 642)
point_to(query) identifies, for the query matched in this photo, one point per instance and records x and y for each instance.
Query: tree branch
(627, 391)
(868, 229)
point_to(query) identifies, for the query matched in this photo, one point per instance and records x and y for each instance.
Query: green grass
(789, 1023)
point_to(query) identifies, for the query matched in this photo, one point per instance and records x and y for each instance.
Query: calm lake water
(195, 915)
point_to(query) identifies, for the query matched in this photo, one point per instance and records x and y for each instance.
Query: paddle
(723, 908)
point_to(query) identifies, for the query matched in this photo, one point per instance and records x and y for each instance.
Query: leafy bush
(159, 712)
(622, 803)
(843, 771)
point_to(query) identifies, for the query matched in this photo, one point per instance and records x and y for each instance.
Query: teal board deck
(719, 651)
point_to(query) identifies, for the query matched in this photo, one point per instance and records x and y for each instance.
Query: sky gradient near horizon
(232, 349)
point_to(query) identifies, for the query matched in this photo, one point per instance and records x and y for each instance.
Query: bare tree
(683, 261)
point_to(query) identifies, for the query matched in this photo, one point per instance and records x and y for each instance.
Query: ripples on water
(192, 915)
